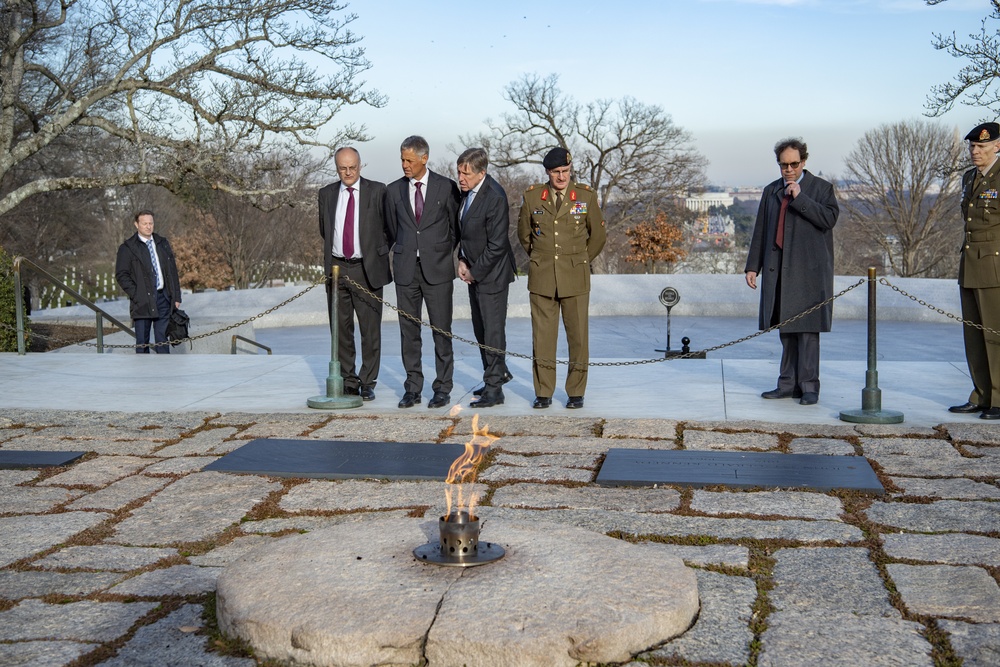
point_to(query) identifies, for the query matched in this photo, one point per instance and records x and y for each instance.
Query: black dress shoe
(350, 391)
(368, 394)
(809, 398)
(440, 400)
(778, 393)
(574, 402)
(967, 409)
(487, 401)
(990, 413)
(410, 399)
(541, 402)
(507, 377)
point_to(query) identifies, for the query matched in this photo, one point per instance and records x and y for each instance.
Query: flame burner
(459, 545)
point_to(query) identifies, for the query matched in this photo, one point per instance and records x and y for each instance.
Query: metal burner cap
(487, 552)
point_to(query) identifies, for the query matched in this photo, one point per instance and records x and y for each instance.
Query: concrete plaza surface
(113, 560)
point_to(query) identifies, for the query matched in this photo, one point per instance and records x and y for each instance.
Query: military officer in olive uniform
(979, 270)
(562, 229)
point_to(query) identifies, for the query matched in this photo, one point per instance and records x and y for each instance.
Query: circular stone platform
(355, 595)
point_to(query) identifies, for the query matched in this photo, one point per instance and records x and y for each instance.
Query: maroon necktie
(349, 226)
(418, 202)
(779, 238)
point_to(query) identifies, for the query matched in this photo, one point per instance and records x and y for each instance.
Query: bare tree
(977, 81)
(167, 86)
(904, 179)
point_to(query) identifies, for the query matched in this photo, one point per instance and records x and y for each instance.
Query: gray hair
(475, 158)
(417, 144)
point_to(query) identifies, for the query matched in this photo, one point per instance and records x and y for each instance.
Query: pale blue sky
(737, 74)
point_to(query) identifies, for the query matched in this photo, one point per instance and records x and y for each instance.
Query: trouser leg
(439, 301)
(493, 313)
(544, 335)
(575, 310)
(410, 302)
(163, 308)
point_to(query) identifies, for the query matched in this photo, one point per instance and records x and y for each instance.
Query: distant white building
(706, 200)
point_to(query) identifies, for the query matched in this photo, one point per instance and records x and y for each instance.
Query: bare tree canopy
(904, 180)
(978, 79)
(167, 86)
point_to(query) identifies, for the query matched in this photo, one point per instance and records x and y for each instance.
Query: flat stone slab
(977, 644)
(323, 598)
(948, 590)
(24, 536)
(340, 460)
(79, 621)
(16, 460)
(641, 467)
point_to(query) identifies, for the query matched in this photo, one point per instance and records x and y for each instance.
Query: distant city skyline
(736, 74)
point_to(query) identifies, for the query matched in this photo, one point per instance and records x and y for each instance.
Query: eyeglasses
(789, 165)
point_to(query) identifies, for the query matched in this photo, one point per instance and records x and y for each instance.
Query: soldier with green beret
(561, 227)
(979, 271)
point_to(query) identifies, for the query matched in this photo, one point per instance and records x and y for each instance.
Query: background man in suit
(791, 251)
(352, 224)
(486, 264)
(421, 209)
(147, 271)
(561, 227)
(979, 286)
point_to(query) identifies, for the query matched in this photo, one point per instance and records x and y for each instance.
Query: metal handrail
(248, 340)
(99, 312)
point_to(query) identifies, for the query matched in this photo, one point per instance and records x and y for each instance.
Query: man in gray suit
(352, 224)
(486, 264)
(420, 211)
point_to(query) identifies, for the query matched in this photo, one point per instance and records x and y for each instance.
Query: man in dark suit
(146, 269)
(486, 264)
(979, 284)
(352, 224)
(791, 255)
(420, 212)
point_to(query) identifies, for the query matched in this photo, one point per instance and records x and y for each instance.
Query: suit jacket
(134, 273)
(805, 266)
(435, 236)
(371, 229)
(561, 243)
(980, 261)
(483, 238)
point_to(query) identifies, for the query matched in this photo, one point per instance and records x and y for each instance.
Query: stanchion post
(334, 398)
(871, 411)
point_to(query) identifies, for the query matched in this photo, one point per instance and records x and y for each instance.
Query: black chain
(939, 311)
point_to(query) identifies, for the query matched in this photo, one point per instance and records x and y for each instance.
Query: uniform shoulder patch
(584, 186)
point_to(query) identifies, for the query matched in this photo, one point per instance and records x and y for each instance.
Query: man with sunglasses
(791, 257)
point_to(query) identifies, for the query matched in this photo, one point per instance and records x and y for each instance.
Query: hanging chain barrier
(357, 287)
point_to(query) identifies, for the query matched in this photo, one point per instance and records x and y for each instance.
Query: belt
(353, 260)
(979, 236)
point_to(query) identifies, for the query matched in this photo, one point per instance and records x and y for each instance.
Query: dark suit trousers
(489, 322)
(158, 327)
(799, 362)
(351, 303)
(409, 298)
(982, 349)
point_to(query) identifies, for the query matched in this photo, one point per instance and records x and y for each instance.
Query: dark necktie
(418, 202)
(559, 198)
(349, 226)
(779, 238)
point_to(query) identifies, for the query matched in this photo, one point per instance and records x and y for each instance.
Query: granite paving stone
(951, 548)
(777, 428)
(226, 554)
(713, 554)
(193, 508)
(840, 579)
(941, 516)
(104, 557)
(208, 441)
(542, 496)
(504, 473)
(284, 426)
(796, 504)
(100, 471)
(33, 499)
(718, 441)
(15, 477)
(722, 632)
(977, 644)
(42, 654)
(384, 429)
(992, 452)
(897, 430)
(15, 584)
(304, 524)
(952, 488)
(24, 536)
(79, 621)
(659, 429)
(9, 433)
(948, 590)
(516, 425)
(176, 580)
(180, 465)
(821, 446)
(806, 638)
(529, 444)
(353, 494)
(588, 461)
(974, 432)
(43, 443)
(121, 493)
(924, 458)
(169, 641)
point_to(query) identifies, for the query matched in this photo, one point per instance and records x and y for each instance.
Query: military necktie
(559, 200)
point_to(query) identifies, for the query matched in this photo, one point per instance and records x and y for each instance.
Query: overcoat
(483, 234)
(804, 268)
(134, 273)
(562, 243)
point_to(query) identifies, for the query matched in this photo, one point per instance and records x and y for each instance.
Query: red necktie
(418, 202)
(779, 238)
(349, 226)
